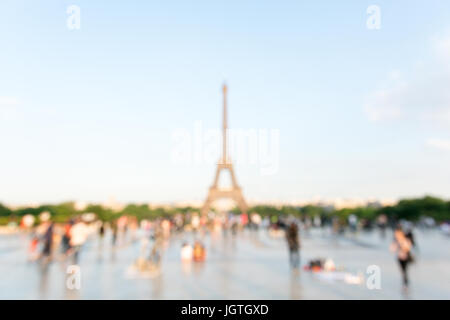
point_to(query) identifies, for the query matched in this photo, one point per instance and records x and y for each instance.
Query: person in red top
(244, 219)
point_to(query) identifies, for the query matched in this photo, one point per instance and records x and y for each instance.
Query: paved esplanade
(251, 266)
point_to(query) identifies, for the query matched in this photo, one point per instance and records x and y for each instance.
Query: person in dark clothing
(294, 245)
(48, 242)
(66, 238)
(114, 232)
(101, 231)
(382, 222)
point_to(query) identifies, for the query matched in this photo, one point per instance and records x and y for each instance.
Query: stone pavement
(250, 266)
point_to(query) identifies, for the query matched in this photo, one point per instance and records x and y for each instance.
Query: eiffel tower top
(225, 126)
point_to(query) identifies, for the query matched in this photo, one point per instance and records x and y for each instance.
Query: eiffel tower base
(215, 193)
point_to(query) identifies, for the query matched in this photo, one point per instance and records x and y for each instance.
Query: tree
(4, 211)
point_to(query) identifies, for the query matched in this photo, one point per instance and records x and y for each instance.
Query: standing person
(114, 232)
(48, 242)
(293, 244)
(33, 248)
(234, 227)
(124, 231)
(402, 246)
(353, 223)
(133, 228)
(186, 252)
(382, 224)
(78, 236)
(199, 252)
(101, 232)
(156, 251)
(66, 238)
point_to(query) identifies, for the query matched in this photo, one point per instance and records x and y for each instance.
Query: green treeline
(64, 211)
(409, 209)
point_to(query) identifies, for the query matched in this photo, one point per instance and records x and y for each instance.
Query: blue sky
(89, 114)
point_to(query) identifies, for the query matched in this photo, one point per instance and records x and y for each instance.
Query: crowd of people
(402, 245)
(48, 237)
(50, 240)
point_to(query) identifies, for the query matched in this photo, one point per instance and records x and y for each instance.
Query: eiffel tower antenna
(225, 124)
(235, 192)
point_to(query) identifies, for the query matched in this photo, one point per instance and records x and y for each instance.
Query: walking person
(294, 245)
(402, 247)
(114, 233)
(78, 236)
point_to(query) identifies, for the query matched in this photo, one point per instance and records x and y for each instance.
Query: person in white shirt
(78, 236)
(186, 252)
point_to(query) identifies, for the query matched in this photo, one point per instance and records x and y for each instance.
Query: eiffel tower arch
(225, 164)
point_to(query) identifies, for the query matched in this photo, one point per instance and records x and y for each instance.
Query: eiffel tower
(235, 192)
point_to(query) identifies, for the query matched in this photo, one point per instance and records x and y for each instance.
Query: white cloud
(386, 104)
(442, 49)
(440, 144)
(441, 116)
(8, 101)
(8, 107)
(421, 95)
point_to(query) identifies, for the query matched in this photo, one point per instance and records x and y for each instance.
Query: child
(186, 252)
(199, 252)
